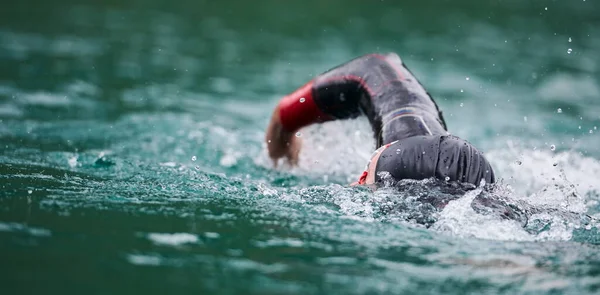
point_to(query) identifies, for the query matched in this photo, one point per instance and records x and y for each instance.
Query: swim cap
(445, 157)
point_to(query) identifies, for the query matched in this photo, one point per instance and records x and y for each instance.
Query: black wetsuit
(400, 111)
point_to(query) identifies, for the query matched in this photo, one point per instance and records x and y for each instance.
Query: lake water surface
(132, 156)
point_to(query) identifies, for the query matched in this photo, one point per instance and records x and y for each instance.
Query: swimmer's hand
(281, 143)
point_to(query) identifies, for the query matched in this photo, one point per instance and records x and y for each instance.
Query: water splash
(529, 203)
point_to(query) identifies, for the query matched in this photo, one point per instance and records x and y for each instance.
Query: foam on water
(174, 239)
(148, 260)
(336, 150)
(458, 218)
(564, 179)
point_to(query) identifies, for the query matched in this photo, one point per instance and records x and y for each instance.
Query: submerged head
(444, 157)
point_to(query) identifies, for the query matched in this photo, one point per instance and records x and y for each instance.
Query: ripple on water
(23, 228)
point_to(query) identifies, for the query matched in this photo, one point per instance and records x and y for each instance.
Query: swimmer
(409, 129)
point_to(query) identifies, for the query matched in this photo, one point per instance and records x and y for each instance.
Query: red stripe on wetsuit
(295, 112)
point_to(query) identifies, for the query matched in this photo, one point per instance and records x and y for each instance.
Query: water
(133, 160)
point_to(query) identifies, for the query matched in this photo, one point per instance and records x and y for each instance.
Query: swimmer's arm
(302, 108)
(332, 95)
(340, 93)
(280, 141)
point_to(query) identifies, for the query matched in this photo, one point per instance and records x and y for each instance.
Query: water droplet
(467, 78)
(29, 192)
(269, 141)
(559, 110)
(595, 128)
(519, 162)
(579, 127)
(591, 131)
(462, 90)
(194, 158)
(552, 147)
(447, 178)
(462, 104)
(525, 118)
(298, 134)
(545, 8)
(570, 40)
(397, 151)
(569, 51)
(423, 152)
(302, 99)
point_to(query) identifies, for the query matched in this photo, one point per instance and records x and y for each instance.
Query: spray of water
(542, 195)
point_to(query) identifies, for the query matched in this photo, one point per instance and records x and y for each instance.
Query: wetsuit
(409, 128)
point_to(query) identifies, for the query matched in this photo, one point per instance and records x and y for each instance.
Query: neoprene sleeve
(379, 86)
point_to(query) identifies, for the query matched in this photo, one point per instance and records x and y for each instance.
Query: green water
(132, 161)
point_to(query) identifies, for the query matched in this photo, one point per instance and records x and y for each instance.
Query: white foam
(564, 181)
(138, 259)
(280, 242)
(458, 218)
(541, 177)
(230, 157)
(339, 149)
(72, 161)
(250, 265)
(168, 164)
(175, 239)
